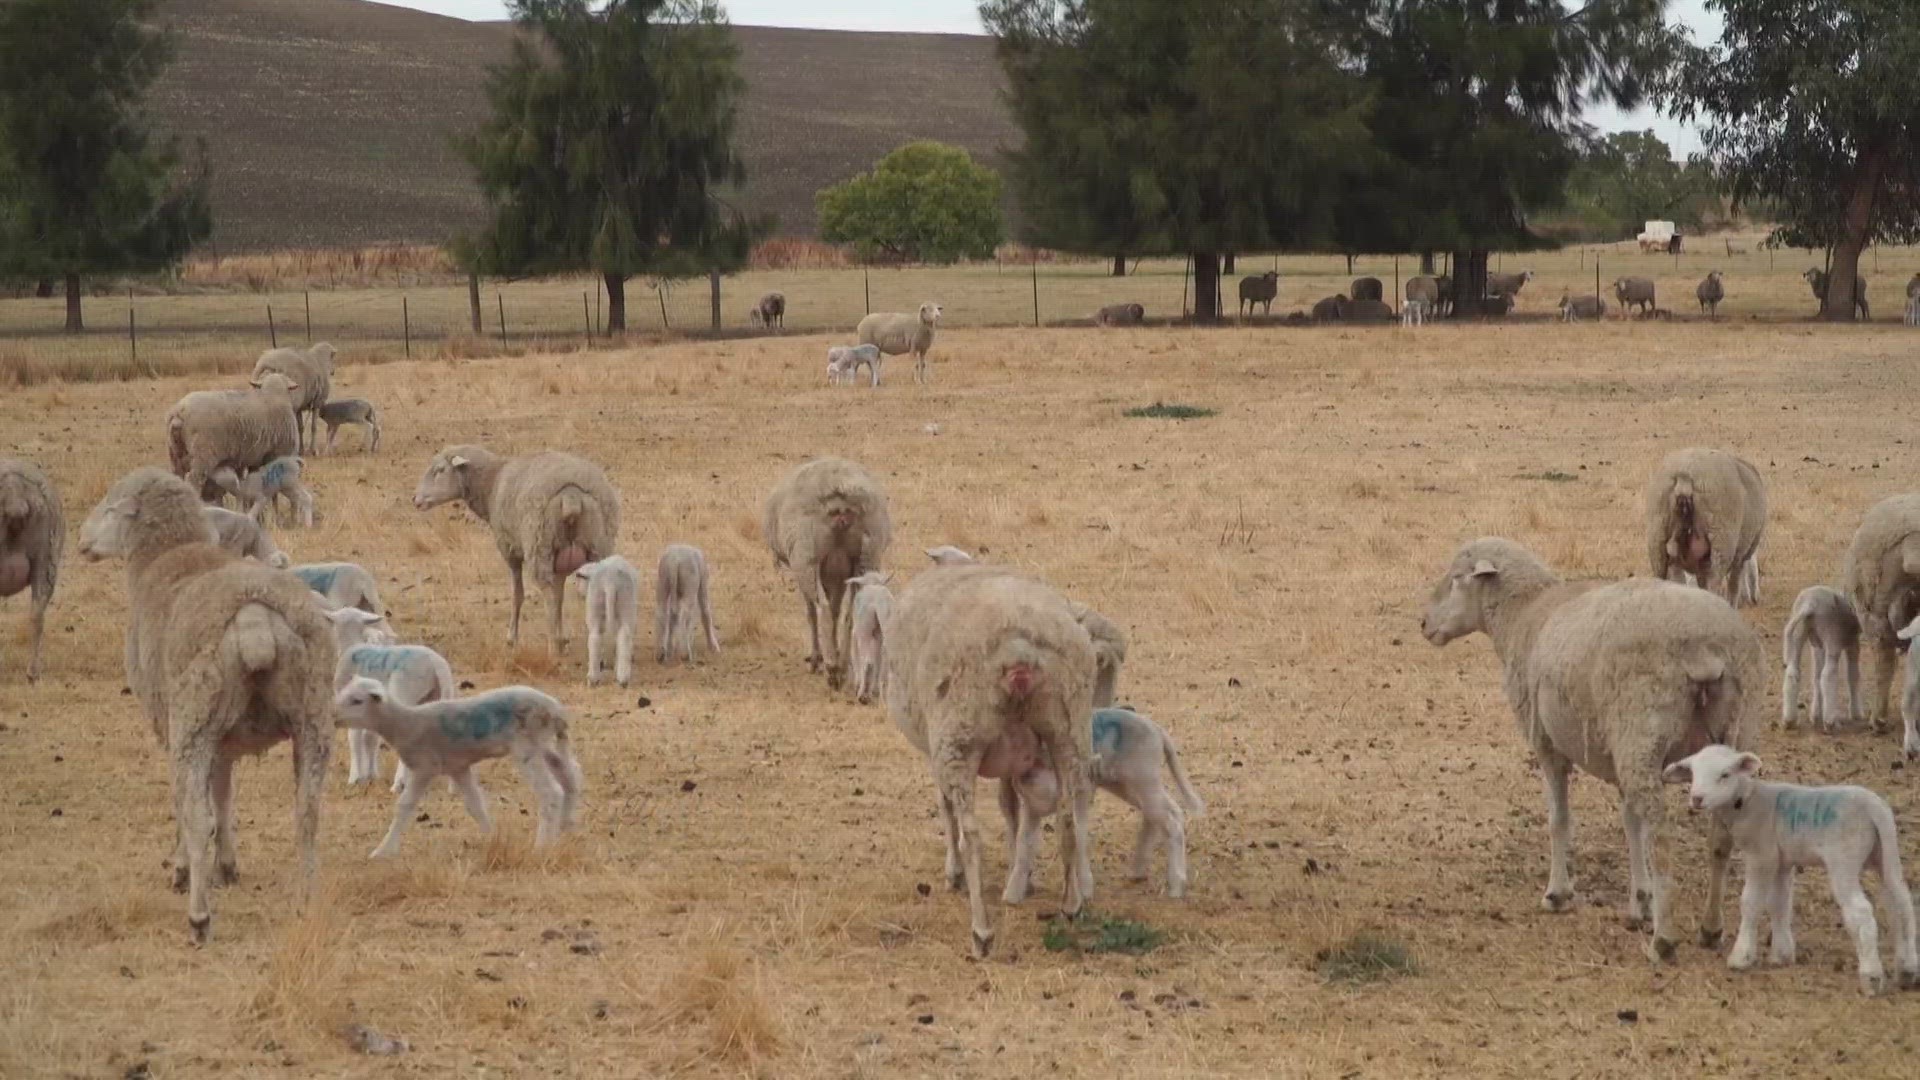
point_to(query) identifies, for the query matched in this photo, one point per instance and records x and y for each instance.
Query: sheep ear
(1679, 772)
(457, 462)
(1748, 764)
(1485, 569)
(1911, 631)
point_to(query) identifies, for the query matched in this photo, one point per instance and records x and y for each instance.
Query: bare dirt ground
(758, 886)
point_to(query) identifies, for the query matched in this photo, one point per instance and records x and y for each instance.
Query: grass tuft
(1091, 933)
(1160, 410)
(1364, 958)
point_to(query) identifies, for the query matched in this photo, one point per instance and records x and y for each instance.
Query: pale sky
(962, 17)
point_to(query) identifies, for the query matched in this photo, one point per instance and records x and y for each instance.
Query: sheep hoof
(1558, 903)
(982, 944)
(1710, 937)
(1873, 985)
(865, 699)
(199, 928)
(229, 874)
(180, 879)
(1660, 949)
(1636, 922)
(1909, 980)
(594, 680)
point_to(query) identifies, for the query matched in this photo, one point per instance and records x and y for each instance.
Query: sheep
(1706, 513)
(358, 411)
(1508, 285)
(447, 738)
(1109, 644)
(1711, 290)
(611, 588)
(867, 617)
(1259, 290)
(681, 585)
(1120, 315)
(948, 555)
(1367, 288)
(1414, 312)
(241, 429)
(1825, 618)
(1616, 680)
(1817, 281)
(826, 521)
(243, 536)
(1782, 827)
(1581, 307)
(1634, 290)
(1912, 317)
(1910, 687)
(769, 311)
(1331, 308)
(1881, 568)
(33, 530)
(843, 363)
(1424, 290)
(413, 674)
(263, 488)
(226, 657)
(1358, 310)
(340, 584)
(311, 370)
(988, 674)
(551, 511)
(897, 334)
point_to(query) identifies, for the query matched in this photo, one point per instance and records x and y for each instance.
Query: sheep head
(448, 476)
(147, 508)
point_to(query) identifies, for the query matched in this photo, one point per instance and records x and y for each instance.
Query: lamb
(769, 311)
(897, 334)
(1331, 308)
(1636, 291)
(1825, 618)
(1782, 827)
(263, 488)
(867, 618)
(448, 738)
(1581, 307)
(1109, 644)
(1910, 689)
(1121, 315)
(357, 411)
(682, 584)
(827, 521)
(1817, 280)
(241, 535)
(1711, 290)
(843, 363)
(240, 429)
(1706, 513)
(988, 674)
(1617, 680)
(227, 657)
(1881, 567)
(1367, 288)
(612, 595)
(1414, 313)
(550, 511)
(1508, 285)
(1259, 290)
(33, 530)
(311, 371)
(341, 584)
(413, 674)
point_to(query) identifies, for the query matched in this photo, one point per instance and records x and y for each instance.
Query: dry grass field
(757, 890)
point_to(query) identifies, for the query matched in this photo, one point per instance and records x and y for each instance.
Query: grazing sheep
(1424, 290)
(843, 363)
(1711, 290)
(227, 657)
(611, 593)
(988, 674)
(1508, 285)
(1817, 281)
(1109, 644)
(1635, 291)
(827, 521)
(868, 613)
(311, 370)
(240, 429)
(32, 532)
(1782, 827)
(341, 584)
(413, 674)
(1880, 571)
(681, 585)
(1581, 307)
(1414, 312)
(1706, 513)
(243, 536)
(263, 488)
(1120, 315)
(1367, 288)
(358, 411)
(769, 311)
(1616, 680)
(1259, 290)
(448, 738)
(1373, 311)
(1824, 618)
(897, 334)
(1331, 308)
(550, 511)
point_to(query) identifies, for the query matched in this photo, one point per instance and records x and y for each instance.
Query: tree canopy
(924, 202)
(1625, 179)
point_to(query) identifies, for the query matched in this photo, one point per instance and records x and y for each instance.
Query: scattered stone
(1628, 1016)
(466, 684)
(688, 785)
(483, 973)
(923, 889)
(601, 1010)
(1312, 867)
(645, 702)
(585, 943)
(57, 812)
(368, 1041)
(924, 1018)
(1232, 681)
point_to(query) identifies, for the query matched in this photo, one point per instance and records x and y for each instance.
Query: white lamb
(413, 674)
(867, 620)
(682, 586)
(612, 588)
(1910, 690)
(1782, 827)
(263, 488)
(1824, 618)
(448, 738)
(843, 363)
(1413, 313)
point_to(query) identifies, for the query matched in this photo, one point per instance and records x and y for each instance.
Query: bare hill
(329, 121)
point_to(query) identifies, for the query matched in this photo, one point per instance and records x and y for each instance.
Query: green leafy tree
(1810, 106)
(924, 202)
(85, 188)
(1194, 128)
(1629, 178)
(611, 145)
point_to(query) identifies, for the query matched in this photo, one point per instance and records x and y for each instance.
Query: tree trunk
(44, 290)
(1206, 287)
(1349, 264)
(1119, 266)
(1227, 264)
(73, 304)
(1856, 228)
(473, 302)
(713, 283)
(1426, 262)
(616, 304)
(1469, 284)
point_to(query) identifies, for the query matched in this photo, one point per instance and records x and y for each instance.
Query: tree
(610, 142)
(924, 202)
(1191, 128)
(1628, 178)
(1811, 108)
(84, 187)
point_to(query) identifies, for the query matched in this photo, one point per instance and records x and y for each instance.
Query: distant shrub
(925, 202)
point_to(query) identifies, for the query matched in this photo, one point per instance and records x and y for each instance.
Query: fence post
(307, 298)
(273, 335)
(1036, 288)
(406, 327)
(586, 315)
(473, 303)
(1596, 279)
(502, 302)
(713, 284)
(866, 289)
(1186, 270)
(133, 343)
(660, 290)
(1396, 282)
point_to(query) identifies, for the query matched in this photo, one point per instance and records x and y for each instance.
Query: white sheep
(1780, 828)
(825, 522)
(681, 587)
(897, 334)
(1413, 313)
(311, 370)
(1614, 680)
(610, 589)
(1634, 290)
(843, 363)
(32, 532)
(243, 536)
(448, 738)
(549, 511)
(413, 674)
(341, 584)
(1824, 618)
(867, 619)
(1126, 315)
(241, 429)
(1706, 512)
(357, 411)
(1573, 308)
(1711, 290)
(1879, 573)
(227, 657)
(262, 489)
(1910, 689)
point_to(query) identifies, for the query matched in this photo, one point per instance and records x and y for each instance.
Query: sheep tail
(1021, 668)
(252, 640)
(1712, 703)
(177, 445)
(1189, 797)
(1684, 511)
(571, 506)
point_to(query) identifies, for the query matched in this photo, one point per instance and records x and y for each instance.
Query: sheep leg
(954, 768)
(37, 622)
(566, 771)
(956, 872)
(1830, 688)
(474, 798)
(593, 647)
(623, 653)
(549, 794)
(1857, 910)
(686, 621)
(1819, 715)
(400, 774)
(312, 751)
(1853, 695)
(1076, 845)
(333, 430)
(706, 616)
(1781, 914)
(807, 581)
(403, 811)
(1793, 644)
(1648, 813)
(835, 584)
(519, 598)
(1639, 895)
(199, 821)
(1757, 897)
(303, 502)
(361, 756)
(556, 618)
(1023, 835)
(225, 862)
(1881, 666)
(1719, 859)
(1554, 772)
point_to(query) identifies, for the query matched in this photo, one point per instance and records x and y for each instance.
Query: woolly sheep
(1711, 290)
(550, 512)
(1636, 291)
(1615, 680)
(948, 555)
(1426, 290)
(1331, 308)
(1910, 687)
(827, 521)
(357, 411)
(32, 532)
(341, 584)
(1120, 315)
(611, 588)
(1508, 285)
(1782, 827)
(1367, 288)
(1881, 567)
(241, 535)
(240, 429)
(843, 363)
(1817, 281)
(1824, 618)
(1581, 307)
(227, 657)
(311, 370)
(1259, 290)
(897, 334)
(263, 488)
(1109, 644)
(769, 311)
(1706, 511)
(681, 587)
(448, 738)
(1367, 311)
(413, 674)
(988, 674)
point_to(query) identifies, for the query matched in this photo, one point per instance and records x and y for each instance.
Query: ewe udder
(568, 558)
(14, 573)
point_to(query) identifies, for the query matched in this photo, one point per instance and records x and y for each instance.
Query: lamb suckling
(1616, 680)
(310, 369)
(825, 522)
(770, 311)
(448, 738)
(1824, 618)
(357, 411)
(341, 584)
(611, 588)
(898, 333)
(843, 363)
(1779, 828)
(240, 534)
(1880, 574)
(1706, 512)
(867, 620)
(32, 533)
(682, 589)
(413, 674)
(262, 489)
(241, 429)
(227, 657)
